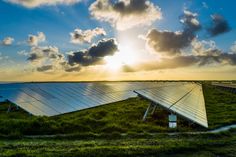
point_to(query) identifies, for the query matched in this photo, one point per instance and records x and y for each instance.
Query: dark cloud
(83, 58)
(210, 58)
(73, 68)
(103, 48)
(44, 68)
(170, 43)
(95, 54)
(219, 25)
(134, 7)
(125, 14)
(49, 58)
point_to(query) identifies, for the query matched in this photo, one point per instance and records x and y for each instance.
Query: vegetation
(220, 106)
(207, 145)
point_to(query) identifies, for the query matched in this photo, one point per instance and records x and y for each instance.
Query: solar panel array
(50, 99)
(185, 99)
(227, 85)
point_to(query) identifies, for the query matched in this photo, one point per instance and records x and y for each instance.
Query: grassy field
(209, 145)
(117, 129)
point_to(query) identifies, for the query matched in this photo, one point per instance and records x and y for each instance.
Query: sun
(125, 56)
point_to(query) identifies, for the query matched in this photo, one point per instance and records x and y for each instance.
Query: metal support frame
(153, 106)
(10, 107)
(154, 109)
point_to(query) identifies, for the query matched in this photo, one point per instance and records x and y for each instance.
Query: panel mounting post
(146, 113)
(154, 109)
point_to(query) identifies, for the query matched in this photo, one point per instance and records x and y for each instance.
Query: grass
(220, 106)
(209, 145)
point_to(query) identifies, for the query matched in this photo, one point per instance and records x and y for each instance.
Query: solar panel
(184, 99)
(50, 99)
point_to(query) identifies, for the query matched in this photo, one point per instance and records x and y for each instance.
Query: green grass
(220, 106)
(185, 145)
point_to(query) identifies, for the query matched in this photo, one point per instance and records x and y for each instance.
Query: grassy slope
(121, 117)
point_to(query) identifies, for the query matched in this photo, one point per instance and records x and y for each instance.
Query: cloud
(125, 14)
(184, 61)
(7, 41)
(75, 68)
(165, 63)
(49, 58)
(79, 36)
(204, 5)
(44, 68)
(34, 40)
(95, 54)
(40, 53)
(170, 43)
(205, 48)
(233, 48)
(190, 21)
(203, 53)
(46, 58)
(23, 53)
(38, 3)
(2, 57)
(218, 26)
(167, 42)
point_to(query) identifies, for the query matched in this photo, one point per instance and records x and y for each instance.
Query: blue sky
(58, 20)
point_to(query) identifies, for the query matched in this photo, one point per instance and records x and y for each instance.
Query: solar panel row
(49, 99)
(186, 100)
(227, 85)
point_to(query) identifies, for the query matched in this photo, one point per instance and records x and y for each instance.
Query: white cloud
(190, 18)
(125, 14)
(79, 36)
(46, 58)
(34, 40)
(204, 4)
(2, 57)
(23, 53)
(233, 47)
(8, 41)
(38, 3)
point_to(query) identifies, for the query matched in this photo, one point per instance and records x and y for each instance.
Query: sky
(93, 40)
